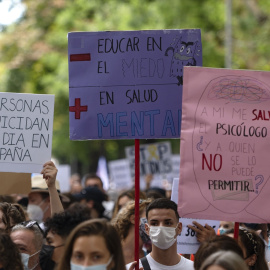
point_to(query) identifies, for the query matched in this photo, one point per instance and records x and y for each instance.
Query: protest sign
(120, 176)
(155, 158)
(187, 242)
(26, 124)
(224, 169)
(128, 84)
(19, 183)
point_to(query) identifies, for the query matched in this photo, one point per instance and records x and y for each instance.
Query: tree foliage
(33, 51)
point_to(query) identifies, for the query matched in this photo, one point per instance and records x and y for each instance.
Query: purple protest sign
(128, 85)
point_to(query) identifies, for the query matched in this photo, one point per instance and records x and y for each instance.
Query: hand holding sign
(202, 232)
(49, 173)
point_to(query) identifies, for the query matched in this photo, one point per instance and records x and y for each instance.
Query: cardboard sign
(155, 159)
(187, 242)
(26, 124)
(18, 183)
(224, 168)
(128, 85)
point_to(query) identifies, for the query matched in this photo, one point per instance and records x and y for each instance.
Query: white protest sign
(120, 177)
(26, 124)
(155, 158)
(187, 242)
(63, 176)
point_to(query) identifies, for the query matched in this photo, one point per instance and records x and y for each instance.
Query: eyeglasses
(31, 223)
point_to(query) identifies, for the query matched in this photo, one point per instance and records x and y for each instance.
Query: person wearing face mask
(225, 226)
(163, 226)
(28, 237)
(45, 197)
(124, 223)
(93, 245)
(58, 227)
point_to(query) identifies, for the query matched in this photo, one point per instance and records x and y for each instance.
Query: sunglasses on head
(31, 223)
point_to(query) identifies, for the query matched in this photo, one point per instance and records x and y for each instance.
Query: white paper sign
(187, 242)
(120, 174)
(26, 124)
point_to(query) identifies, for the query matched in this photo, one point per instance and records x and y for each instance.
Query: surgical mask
(162, 237)
(35, 212)
(25, 259)
(91, 267)
(144, 236)
(222, 230)
(45, 257)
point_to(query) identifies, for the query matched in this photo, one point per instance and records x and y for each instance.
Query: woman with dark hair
(10, 215)
(214, 244)
(93, 243)
(10, 258)
(253, 248)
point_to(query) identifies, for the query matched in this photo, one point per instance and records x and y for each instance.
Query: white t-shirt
(184, 264)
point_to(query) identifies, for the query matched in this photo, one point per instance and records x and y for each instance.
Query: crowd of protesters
(50, 230)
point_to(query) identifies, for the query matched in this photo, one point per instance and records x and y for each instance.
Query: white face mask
(162, 237)
(91, 267)
(35, 212)
(25, 259)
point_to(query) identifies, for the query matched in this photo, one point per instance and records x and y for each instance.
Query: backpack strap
(145, 263)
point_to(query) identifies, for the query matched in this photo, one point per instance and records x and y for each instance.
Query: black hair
(162, 203)
(63, 223)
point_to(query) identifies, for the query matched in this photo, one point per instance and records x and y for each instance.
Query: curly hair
(9, 253)
(130, 193)
(63, 223)
(122, 222)
(13, 214)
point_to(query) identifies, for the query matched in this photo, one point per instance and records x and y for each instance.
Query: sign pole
(137, 200)
(236, 230)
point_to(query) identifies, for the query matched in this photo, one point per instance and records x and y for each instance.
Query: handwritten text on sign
(129, 84)
(154, 159)
(26, 122)
(225, 129)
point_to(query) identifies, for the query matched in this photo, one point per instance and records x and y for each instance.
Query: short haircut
(90, 176)
(214, 244)
(38, 236)
(63, 223)
(162, 203)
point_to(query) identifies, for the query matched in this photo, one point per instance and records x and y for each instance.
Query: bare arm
(49, 174)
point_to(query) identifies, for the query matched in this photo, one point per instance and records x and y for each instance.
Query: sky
(9, 16)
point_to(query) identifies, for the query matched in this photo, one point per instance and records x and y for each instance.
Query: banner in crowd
(187, 242)
(128, 84)
(155, 159)
(120, 176)
(224, 168)
(26, 124)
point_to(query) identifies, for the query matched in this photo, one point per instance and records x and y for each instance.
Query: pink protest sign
(224, 168)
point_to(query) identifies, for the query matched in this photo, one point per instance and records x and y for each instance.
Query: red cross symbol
(78, 108)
